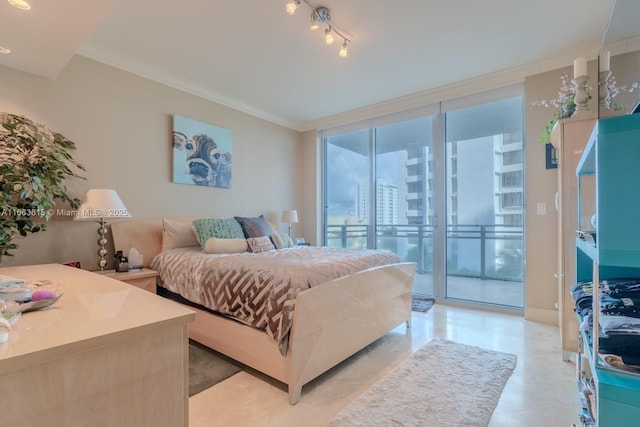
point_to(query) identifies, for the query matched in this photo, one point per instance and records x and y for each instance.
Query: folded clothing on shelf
(619, 318)
(619, 325)
(629, 307)
(625, 346)
(583, 295)
(622, 288)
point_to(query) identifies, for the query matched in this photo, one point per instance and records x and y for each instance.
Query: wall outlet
(541, 208)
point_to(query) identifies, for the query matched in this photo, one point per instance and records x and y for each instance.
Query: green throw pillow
(221, 228)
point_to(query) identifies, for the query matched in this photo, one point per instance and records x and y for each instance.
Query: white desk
(105, 354)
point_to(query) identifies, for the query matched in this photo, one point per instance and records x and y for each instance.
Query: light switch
(541, 208)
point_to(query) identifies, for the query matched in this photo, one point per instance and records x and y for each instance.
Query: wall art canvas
(201, 153)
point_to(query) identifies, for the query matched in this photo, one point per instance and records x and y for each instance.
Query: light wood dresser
(105, 354)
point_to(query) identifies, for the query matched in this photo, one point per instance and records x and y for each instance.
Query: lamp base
(102, 242)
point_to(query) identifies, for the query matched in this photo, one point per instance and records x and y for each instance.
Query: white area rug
(443, 384)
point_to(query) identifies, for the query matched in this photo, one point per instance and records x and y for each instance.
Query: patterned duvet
(259, 289)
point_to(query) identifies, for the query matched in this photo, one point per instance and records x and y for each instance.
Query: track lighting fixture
(291, 6)
(321, 15)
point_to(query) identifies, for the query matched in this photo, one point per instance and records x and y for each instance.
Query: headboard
(145, 235)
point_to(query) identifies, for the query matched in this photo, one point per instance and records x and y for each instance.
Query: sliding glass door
(444, 190)
(347, 190)
(484, 203)
(404, 195)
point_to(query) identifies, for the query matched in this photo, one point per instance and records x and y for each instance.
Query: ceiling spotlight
(4, 49)
(315, 24)
(291, 6)
(343, 50)
(328, 37)
(20, 4)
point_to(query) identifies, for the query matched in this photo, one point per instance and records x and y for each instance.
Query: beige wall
(121, 124)
(541, 291)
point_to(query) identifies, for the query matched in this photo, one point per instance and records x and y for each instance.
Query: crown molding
(420, 99)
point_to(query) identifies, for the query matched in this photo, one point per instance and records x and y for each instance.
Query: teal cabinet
(609, 186)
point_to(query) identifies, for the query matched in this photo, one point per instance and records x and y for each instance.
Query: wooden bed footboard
(333, 321)
(330, 323)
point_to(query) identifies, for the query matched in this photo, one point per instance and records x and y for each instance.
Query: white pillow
(281, 240)
(178, 234)
(214, 245)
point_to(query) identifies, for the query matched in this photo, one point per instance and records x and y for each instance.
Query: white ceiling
(252, 56)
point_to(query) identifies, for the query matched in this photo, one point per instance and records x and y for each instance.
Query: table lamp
(99, 205)
(290, 217)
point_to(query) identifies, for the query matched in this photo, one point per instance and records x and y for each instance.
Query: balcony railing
(473, 250)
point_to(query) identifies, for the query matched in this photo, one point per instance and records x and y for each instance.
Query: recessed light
(4, 49)
(20, 4)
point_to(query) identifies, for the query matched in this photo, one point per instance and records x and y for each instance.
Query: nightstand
(143, 278)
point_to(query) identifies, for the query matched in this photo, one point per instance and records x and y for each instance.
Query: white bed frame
(330, 322)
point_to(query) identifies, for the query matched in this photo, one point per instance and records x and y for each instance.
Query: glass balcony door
(379, 192)
(347, 197)
(405, 194)
(444, 190)
(484, 203)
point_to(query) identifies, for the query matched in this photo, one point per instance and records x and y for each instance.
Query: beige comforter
(259, 289)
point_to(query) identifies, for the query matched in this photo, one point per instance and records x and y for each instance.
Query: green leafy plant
(34, 164)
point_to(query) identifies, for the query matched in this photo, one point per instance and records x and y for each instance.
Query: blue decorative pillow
(255, 227)
(221, 228)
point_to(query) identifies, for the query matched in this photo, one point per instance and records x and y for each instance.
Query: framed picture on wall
(551, 155)
(201, 153)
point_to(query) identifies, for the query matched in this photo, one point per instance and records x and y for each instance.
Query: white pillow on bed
(214, 245)
(281, 240)
(178, 234)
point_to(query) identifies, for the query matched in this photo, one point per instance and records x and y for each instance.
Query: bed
(344, 310)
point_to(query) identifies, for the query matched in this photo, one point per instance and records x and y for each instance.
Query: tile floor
(541, 391)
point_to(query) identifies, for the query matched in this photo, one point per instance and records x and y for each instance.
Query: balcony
(484, 262)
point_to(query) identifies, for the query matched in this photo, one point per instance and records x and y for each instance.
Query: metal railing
(483, 251)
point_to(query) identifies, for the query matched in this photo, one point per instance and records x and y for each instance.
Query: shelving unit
(609, 184)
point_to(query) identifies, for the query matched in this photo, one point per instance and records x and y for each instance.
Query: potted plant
(34, 164)
(565, 106)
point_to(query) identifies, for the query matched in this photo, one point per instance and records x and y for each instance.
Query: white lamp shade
(290, 217)
(102, 203)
